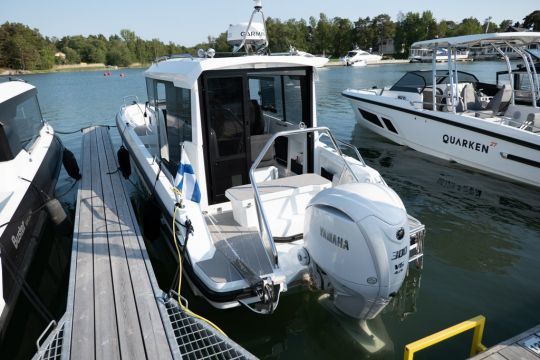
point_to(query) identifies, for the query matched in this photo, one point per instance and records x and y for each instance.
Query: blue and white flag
(186, 180)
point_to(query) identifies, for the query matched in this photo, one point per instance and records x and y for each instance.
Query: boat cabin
(222, 117)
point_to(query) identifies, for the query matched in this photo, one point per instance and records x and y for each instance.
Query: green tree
(414, 27)
(72, 57)
(383, 28)
(363, 33)
(118, 54)
(46, 57)
(469, 26)
(532, 20)
(505, 24)
(24, 48)
(342, 36)
(323, 35)
(221, 44)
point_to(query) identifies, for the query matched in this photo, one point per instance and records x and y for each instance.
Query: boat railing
(353, 148)
(264, 227)
(134, 101)
(173, 56)
(126, 103)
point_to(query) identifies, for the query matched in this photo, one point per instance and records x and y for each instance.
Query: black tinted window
(21, 120)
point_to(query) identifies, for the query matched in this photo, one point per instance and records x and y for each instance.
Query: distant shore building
(60, 55)
(387, 47)
(492, 54)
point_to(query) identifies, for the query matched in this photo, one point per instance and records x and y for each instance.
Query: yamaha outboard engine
(357, 246)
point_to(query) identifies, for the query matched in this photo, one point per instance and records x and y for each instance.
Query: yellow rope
(180, 278)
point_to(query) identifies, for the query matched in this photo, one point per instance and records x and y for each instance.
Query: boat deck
(238, 249)
(525, 346)
(115, 308)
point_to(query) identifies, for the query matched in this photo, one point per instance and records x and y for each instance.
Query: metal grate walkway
(115, 308)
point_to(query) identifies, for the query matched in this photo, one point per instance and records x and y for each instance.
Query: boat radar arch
(251, 35)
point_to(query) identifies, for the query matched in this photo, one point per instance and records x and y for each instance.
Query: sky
(190, 22)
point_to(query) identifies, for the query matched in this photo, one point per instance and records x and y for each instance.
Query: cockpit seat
(428, 98)
(285, 199)
(533, 119)
(470, 100)
(498, 103)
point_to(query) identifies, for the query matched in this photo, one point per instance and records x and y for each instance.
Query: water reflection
(472, 218)
(404, 303)
(482, 248)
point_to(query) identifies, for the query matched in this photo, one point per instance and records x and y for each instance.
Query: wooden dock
(115, 308)
(525, 346)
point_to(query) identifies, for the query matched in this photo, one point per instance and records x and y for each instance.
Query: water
(482, 248)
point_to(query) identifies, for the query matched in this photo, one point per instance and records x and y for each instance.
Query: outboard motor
(357, 246)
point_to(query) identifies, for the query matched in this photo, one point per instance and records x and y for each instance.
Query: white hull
(252, 196)
(362, 57)
(482, 144)
(200, 246)
(21, 227)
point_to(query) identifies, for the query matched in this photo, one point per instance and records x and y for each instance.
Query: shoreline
(70, 68)
(102, 67)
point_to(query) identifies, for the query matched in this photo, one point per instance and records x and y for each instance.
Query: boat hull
(22, 234)
(157, 186)
(484, 145)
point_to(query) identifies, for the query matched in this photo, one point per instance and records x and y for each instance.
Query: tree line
(24, 48)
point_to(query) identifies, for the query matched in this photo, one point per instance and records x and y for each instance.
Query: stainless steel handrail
(264, 229)
(130, 97)
(355, 149)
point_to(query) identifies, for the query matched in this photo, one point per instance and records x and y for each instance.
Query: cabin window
(242, 110)
(174, 108)
(293, 97)
(226, 112)
(280, 97)
(21, 122)
(29, 122)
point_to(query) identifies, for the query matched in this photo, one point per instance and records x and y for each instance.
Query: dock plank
(115, 308)
(131, 343)
(82, 326)
(511, 348)
(152, 324)
(106, 330)
(516, 351)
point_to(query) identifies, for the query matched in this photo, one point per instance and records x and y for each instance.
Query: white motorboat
(30, 160)
(319, 61)
(452, 115)
(359, 63)
(255, 195)
(360, 56)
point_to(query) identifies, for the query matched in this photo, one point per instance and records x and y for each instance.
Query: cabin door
(226, 131)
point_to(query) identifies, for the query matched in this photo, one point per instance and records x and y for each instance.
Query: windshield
(20, 119)
(416, 81)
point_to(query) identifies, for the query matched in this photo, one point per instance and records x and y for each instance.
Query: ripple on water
(482, 232)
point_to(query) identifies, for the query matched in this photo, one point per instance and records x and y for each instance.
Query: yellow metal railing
(477, 323)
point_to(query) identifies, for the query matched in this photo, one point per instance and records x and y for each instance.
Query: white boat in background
(361, 56)
(319, 61)
(359, 63)
(30, 161)
(452, 115)
(425, 55)
(255, 195)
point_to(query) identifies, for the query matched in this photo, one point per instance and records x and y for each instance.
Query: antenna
(257, 9)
